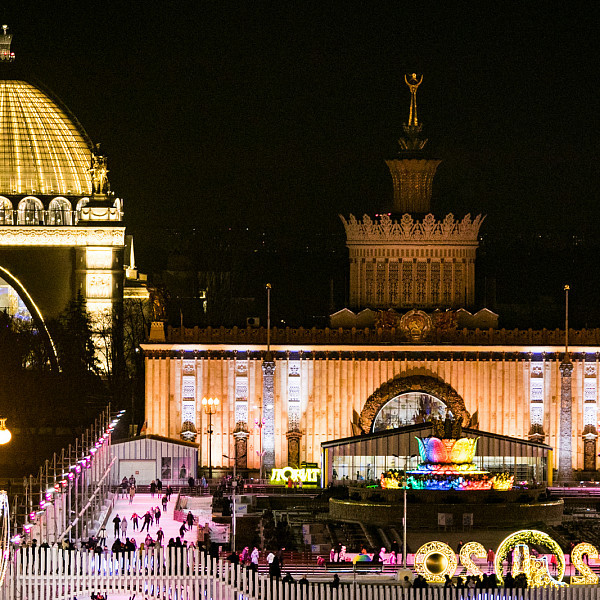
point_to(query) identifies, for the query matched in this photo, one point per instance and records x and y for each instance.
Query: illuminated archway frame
(529, 536)
(35, 313)
(412, 383)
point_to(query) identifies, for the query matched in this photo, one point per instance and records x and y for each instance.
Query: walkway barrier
(181, 574)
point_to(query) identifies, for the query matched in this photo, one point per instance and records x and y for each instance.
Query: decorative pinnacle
(412, 142)
(413, 85)
(5, 39)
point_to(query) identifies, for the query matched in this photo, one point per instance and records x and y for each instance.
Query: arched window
(6, 211)
(59, 212)
(31, 211)
(409, 408)
(80, 204)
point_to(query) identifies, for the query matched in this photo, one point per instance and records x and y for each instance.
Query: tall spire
(413, 85)
(412, 142)
(412, 174)
(5, 39)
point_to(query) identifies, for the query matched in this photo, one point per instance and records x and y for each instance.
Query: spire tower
(416, 261)
(412, 174)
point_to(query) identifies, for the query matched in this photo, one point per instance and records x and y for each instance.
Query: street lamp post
(211, 406)
(259, 423)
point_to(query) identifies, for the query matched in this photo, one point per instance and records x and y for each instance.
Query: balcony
(44, 218)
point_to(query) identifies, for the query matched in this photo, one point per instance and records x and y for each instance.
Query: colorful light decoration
(84, 463)
(447, 451)
(587, 577)
(447, 464)
(532, 567)
(435, 560)
(466, 552)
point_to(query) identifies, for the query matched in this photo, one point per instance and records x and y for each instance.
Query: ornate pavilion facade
(282, 397)
(331, 384)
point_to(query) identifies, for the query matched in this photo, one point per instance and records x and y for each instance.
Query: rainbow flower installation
(447, 464)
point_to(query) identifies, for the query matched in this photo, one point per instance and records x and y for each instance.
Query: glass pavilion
(363, 458)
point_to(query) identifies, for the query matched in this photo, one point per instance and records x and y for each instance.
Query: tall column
(565, 461)
(268, 414)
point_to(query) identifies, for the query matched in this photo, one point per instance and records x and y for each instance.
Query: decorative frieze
(62, 236)
(409, 230)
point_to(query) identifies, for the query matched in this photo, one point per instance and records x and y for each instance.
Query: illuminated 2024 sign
(306, 475)
(435, 560)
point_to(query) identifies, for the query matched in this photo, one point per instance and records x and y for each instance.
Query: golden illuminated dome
(42, 150)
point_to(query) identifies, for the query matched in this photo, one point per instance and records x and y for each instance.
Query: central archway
(33, 309)
(437, 395)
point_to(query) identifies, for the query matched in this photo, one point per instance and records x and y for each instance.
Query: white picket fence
(174, 574)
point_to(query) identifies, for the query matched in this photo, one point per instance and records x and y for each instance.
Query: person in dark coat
(117, 523)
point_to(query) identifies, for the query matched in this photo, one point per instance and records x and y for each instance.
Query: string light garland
(435, 560)
(532, 567)
(587, 577)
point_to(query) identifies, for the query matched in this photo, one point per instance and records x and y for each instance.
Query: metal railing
(54, 217)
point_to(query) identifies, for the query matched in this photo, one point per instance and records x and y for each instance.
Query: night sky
(280, 115)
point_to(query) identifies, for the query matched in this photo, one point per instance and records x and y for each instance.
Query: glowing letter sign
(304, 475)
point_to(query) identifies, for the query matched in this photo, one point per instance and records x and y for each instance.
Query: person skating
(160, 535)
(146, 523)
(124, 527)
(117, 522)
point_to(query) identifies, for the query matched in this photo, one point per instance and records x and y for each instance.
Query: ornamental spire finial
(412, 142)
(5, 39)
(413, 83)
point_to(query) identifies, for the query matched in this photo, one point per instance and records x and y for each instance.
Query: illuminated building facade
(61, 229)
(334, 383)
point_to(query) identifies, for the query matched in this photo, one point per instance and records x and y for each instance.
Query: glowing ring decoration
(426, 554)
(4, 535)
(529, 536)
(587, 577)
(468, 550)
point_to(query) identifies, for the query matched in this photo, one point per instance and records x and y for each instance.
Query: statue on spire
(413, 83)
(99, 172)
